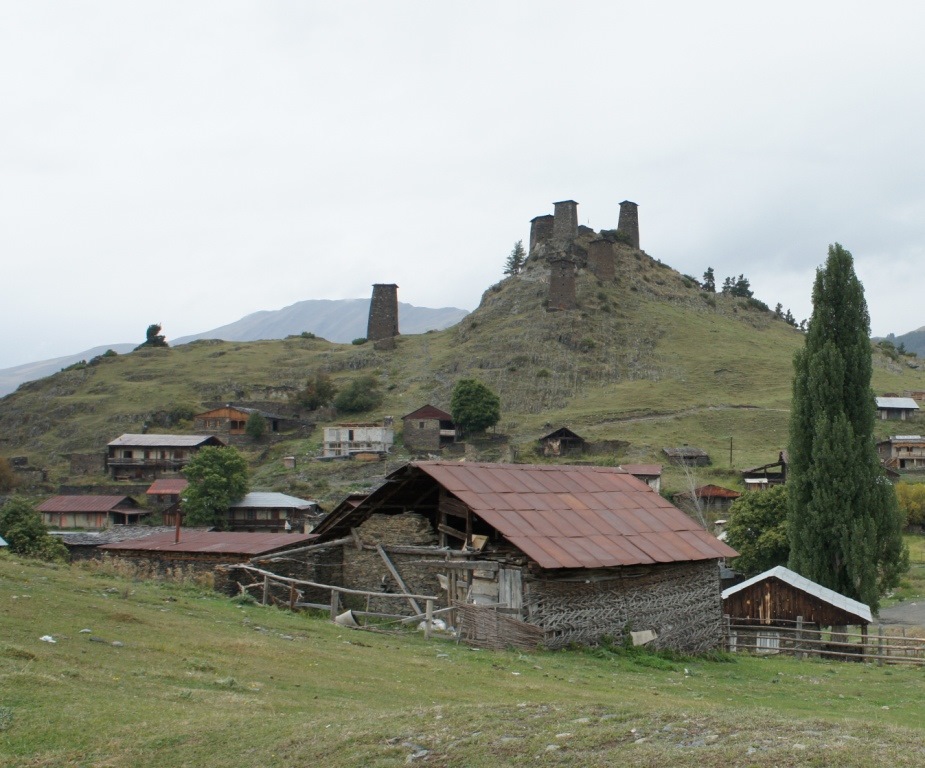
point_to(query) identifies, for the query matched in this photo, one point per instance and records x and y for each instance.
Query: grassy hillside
(648, 360)
(199, 680)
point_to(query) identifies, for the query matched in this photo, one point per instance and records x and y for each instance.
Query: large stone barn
(533, 555)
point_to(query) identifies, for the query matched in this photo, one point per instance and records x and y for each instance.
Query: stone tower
(565, 221)
(629, 221)
(601, 259)
(541, 228)
(561, 284)
(383, 312)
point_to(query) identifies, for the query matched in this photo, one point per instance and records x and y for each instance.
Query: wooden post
(798, 645)
(292, 597)
(398, 579)
(335, 604)
(428, 618)
(726, 631)
(266, 589)
(880, 645)
(864, 641)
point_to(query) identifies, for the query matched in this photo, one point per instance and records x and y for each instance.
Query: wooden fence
(265, 579)
(808, 641)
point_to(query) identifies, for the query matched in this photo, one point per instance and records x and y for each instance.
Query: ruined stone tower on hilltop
(383, 312)
(629, 222)
(601, 259)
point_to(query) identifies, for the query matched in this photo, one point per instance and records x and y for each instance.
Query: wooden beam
(300, 550)
(480, 565)
(452, 532)
(356, 539)
(397, 576)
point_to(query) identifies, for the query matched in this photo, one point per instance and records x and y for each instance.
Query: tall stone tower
(565, 220)
(601, 259)
(561, 284)
(541, 228)
(629, 221)
(383, 312)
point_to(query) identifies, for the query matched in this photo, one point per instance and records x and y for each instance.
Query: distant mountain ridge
(914, 341)
(337, 320)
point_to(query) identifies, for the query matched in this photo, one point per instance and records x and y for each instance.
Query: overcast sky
(190, 163)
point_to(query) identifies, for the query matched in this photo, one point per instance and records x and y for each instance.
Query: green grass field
(200, 680)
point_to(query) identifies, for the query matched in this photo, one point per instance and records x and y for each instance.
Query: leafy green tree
(217, 477)
(359, 395)
(256, 426)
(153, 337)
(319, 391)
(474, 406)
(911, 500)
(515, 261)
(757, 530)
(709, 281)
(845, 525)
(21, 527)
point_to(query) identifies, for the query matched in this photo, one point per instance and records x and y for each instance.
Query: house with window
(150, 456)
(428, 429)
(274, 512)
(903, 452)
(562, 442)
(232, 420)
(90, 512)
(357, 440)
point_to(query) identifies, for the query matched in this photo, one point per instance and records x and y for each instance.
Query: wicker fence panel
(483, 626)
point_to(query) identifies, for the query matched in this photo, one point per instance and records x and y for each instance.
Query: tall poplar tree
(845, 525)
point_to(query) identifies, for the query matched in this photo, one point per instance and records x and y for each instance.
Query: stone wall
(561, 285)
(565, 221)
(365, 569)
(601, 260)
(541, 229)
(383, 312)
(681, 602)
(421, 438)
(88, 463)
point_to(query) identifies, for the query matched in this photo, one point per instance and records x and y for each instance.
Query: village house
(901, 408)
(562, 442)
(231, 421)
(150, 456)
(905, 452)
(711, 498)
(428, 429)
(274, 512)
(530, 554)
(357, 440)
(164, 497)
(90, 512)
(687, 455)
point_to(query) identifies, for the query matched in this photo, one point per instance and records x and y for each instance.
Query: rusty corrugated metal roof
(429, 412)
(215, 542)
(577, 516)
(164, 441)
(85, 503)
(167, 486)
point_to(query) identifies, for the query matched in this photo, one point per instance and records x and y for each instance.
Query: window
(420, 425)
(767, 642)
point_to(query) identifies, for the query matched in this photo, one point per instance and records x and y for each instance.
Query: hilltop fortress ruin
(556, 239)
(566, 247)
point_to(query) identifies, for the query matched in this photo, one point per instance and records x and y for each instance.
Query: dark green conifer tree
(845, 525)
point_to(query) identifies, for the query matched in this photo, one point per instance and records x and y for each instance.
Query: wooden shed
(93, 512)
(687, 455)
(562, 442)
(531, 555)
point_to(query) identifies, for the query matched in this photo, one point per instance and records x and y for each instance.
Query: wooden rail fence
(795, 639)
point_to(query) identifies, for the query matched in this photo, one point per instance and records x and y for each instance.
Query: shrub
(359, 395)
(22, 528)
(359, 341)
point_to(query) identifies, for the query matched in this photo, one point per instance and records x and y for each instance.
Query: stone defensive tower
(601, 259)
(383, 312)
(561, 284)
(541, 228)
(565, 221)
(629, 221)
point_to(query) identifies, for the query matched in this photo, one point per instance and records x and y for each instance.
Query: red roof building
(576, 551)
(428, 429)
(90, 512)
